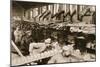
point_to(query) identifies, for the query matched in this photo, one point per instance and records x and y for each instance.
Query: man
(62, 57)
(18, 35)
(68, 55)
(36, 48)
(26, 40)
(17, 39)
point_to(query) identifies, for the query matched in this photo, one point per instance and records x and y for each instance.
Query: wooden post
(16, 48)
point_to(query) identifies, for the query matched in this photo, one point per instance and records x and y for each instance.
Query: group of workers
(71, 51)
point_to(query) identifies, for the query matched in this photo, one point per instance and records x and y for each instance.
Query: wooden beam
(16, 48)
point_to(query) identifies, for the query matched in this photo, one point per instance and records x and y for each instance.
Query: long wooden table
(28, 59)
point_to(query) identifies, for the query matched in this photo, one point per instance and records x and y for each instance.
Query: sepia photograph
(52, 33)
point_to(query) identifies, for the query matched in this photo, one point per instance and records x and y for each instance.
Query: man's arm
(31, 47)
(37, 47)
(42, 47)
